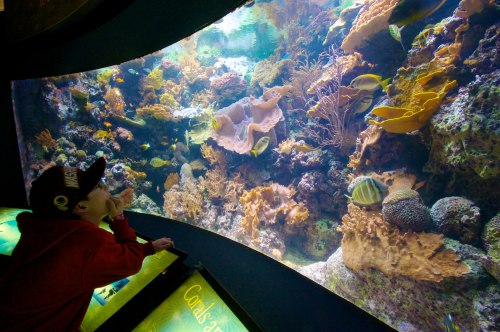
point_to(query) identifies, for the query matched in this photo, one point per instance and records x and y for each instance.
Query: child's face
(96, 203)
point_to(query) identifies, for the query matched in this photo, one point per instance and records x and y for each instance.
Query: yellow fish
(409, 11)
(145, 146)
(158, 162)
(369, 82)
(215, 123)
(260, 146)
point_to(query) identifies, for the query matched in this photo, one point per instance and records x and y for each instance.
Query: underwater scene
(357, 142)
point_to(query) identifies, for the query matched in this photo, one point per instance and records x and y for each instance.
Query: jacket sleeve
(112, 257)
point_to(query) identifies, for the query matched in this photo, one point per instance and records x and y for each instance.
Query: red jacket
(55, 267)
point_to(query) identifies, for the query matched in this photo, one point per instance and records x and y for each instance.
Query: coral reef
(115, 103)
(45, 139)
(228, 88)
(264, 206)
(404, 208)
(370, 242)
(321, 238)
(465, 133)
(491, 241)
(457, 218)
(371, 19)
(409, 305)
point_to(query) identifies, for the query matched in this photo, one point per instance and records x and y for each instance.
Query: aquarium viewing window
(338, 137)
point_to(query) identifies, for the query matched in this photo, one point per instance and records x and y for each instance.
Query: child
(63, 254)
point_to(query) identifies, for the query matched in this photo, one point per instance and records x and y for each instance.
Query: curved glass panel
(354, 142)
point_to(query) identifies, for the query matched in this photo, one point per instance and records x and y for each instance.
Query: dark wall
(277, 297)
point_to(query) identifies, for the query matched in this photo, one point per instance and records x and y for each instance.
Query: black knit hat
(57, 191)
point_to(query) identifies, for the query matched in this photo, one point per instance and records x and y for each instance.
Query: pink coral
(228, 88)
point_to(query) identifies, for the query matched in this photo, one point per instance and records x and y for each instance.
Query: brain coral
(457, 218)
(404, 208)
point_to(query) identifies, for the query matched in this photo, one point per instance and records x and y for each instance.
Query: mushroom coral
(370, 242)
(267, 204)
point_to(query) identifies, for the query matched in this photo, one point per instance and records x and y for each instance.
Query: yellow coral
(370, 242)
(416, 110)
(156, 111)
(172, 179)
(372, 18)
(155, 79)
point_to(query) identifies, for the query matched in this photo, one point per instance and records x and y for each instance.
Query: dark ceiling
(102, 33)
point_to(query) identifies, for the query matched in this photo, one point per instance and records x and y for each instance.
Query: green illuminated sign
(194, 306)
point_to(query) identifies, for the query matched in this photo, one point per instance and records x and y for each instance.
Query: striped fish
(368, 191)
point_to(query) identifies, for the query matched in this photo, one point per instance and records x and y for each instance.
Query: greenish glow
(194, 306)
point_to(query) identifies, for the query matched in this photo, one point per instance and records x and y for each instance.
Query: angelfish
(260, 146)
(409, 11)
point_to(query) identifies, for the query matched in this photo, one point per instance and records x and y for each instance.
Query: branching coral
(266, 205)
(44, 138)
(234, 190)
(214, 183)
(184, 200)
(329, 123)
(370, 242)
(213, 156)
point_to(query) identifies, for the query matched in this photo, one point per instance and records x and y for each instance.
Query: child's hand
(115, 206)
(162, 244)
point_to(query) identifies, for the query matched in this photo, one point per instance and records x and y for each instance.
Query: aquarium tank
(357, 142)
